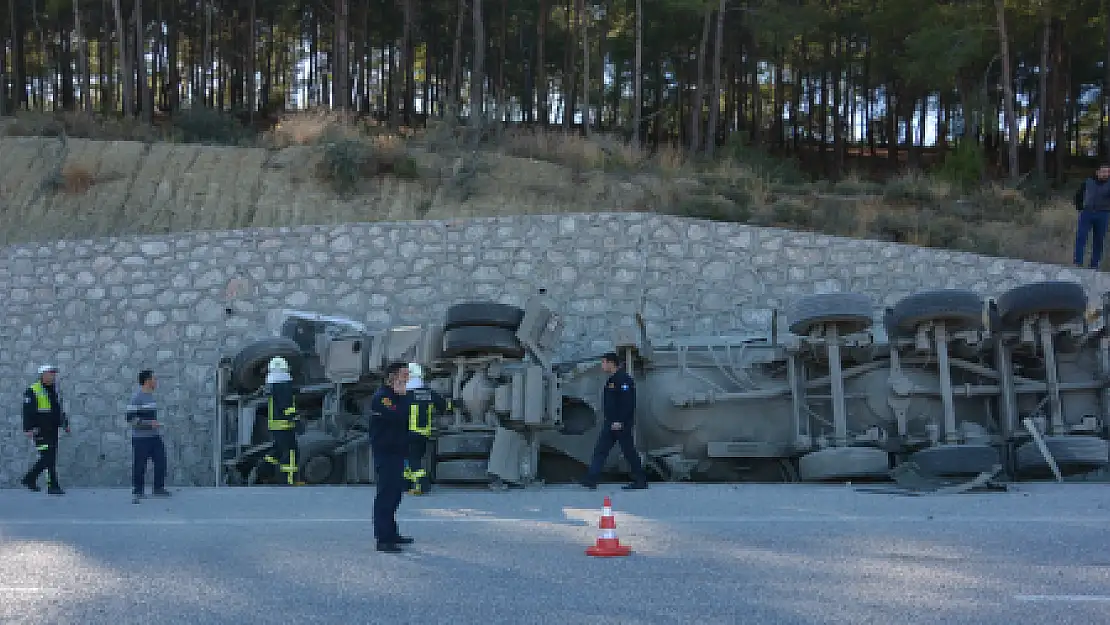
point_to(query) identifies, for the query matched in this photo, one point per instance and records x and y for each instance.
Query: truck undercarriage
(948, 380)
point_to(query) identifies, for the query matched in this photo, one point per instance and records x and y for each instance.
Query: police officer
(282, 420)
(43, 416)
(620, 411)
(389, 440)
(424, 405)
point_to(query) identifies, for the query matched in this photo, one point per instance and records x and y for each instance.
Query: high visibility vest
(286, 420)
(420, 421)
(42, 398)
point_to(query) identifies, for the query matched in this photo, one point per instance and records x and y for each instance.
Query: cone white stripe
(608, 534)
(606, 511)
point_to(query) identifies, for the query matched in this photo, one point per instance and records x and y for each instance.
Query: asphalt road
(765, 554)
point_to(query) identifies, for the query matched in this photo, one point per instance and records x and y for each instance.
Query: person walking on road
(1094, 216)
(43, 416)
(389, 443)
(424, 405)
(620, 413)
(146, 438)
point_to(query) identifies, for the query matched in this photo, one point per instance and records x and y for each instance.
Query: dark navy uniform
(282, 423)
(424, 405)
(389, 443)
(620, 407)
(43, 416)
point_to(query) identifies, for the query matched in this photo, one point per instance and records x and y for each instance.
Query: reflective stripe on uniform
(414, 420)
(42, 399)
(280, 424)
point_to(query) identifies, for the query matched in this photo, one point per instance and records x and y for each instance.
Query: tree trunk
(456, 64)
(1008, 93)
(341, 71)
(541, 63)
(699, 88)
(715, 96)
(584, 24)
(1042, 117)
(477, 72)
(638, 87)
(143, 92)
(124, 60)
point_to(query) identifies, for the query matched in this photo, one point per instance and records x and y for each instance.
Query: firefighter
(424, 405)
(282, 420)
(620, 410)
(389, 445)
(43, 416)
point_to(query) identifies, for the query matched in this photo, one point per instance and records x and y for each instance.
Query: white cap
(277, 363)
(43, 369)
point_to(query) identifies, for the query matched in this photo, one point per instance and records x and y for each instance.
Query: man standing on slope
(1094, 216)
(146, 438)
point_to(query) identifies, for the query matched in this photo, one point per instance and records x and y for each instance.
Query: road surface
(790, 554)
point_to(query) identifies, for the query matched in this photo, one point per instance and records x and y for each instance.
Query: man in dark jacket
(43, 416)
(1094, 217)
(389, 443)
(620, 412)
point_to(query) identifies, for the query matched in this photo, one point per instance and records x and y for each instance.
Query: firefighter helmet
(277, 363)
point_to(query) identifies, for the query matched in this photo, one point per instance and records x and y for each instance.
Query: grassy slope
(313, 169)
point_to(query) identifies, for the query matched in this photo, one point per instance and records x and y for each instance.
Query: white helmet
(416, 370)
(43, 369)
(277, 363)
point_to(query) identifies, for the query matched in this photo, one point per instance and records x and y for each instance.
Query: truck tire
(850, 312)
(1062, 301)
(489, 314)
(959, 309)
(481, 340)
(315, 460)
(1074, 455)
(844, 463)
(248, 368)
(956, 460)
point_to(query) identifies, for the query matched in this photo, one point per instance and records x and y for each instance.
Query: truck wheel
(480, 340)
(956, 460)
(850, 312)
(1074, 455)
(489, 314)
(844, 463)
(248, 368)
(315, 461)
(1062, 301)
(959, 310)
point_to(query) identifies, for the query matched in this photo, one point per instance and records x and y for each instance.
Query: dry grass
(77, 179)
(449, 171)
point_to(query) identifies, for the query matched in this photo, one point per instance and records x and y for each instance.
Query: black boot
(54, 489)
(30, 483)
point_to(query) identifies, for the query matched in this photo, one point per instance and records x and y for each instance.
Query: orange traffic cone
(608, 545)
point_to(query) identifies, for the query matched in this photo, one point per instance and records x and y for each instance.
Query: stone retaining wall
(104, 309)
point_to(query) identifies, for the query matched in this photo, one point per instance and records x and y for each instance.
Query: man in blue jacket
(389, 444)
(1094, 216)
(620, 413)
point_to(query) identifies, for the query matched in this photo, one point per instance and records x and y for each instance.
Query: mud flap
(512, 459)
(913, 482)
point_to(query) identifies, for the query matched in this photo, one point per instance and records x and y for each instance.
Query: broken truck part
(945, 380)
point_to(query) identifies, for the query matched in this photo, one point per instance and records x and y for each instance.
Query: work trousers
(148, 448)
(389, 482)
(416, 475)
(1094, 223)
(605, 441)
(47, 447)
(284, 455)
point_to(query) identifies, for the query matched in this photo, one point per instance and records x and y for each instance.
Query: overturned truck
(948, 380)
